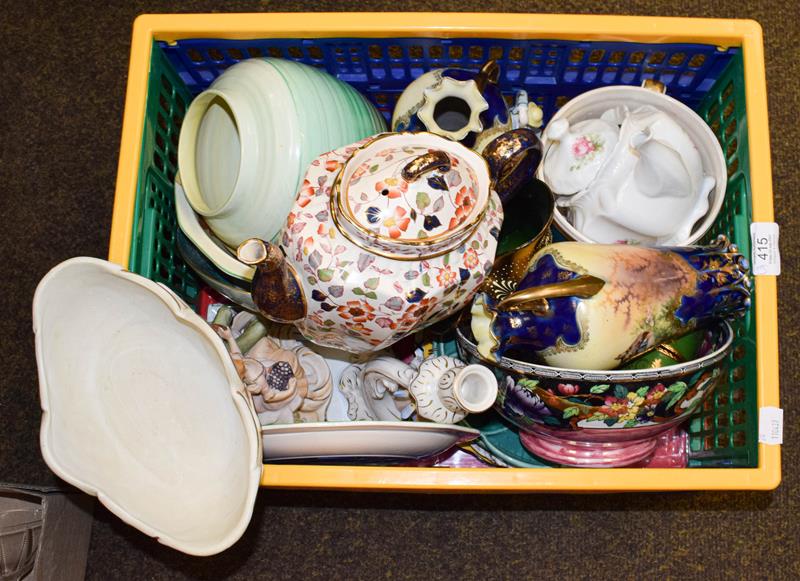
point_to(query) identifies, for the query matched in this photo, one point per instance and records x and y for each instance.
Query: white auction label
(770, 425)
(766, 257)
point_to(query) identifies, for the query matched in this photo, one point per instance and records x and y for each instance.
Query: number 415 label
(764, 243)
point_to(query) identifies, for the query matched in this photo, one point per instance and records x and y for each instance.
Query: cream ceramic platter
(336, 441)
(142, 406)
(189, 223)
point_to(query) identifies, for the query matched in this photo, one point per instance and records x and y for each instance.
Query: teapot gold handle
(584, 286)
(426, 163)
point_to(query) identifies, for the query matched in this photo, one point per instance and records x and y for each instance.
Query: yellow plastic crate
(520, 27)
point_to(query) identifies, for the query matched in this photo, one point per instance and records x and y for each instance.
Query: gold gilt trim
(338, 204)
(373, 249)
(584, 286)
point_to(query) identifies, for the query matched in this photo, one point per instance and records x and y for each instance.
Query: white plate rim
(459, 434)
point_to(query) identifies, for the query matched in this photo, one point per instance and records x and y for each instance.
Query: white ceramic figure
(287, 336)
(441, 390)
(631, 164)
(386, 237)
(375, 390)
(523, 114)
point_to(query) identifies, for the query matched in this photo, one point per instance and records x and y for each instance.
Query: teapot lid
(411, 195)
(575, 154)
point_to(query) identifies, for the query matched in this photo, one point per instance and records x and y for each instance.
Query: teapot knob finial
(425, 163)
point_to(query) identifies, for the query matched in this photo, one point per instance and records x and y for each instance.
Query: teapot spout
(276, 290)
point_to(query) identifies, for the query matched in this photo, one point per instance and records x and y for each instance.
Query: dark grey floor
(62, 85)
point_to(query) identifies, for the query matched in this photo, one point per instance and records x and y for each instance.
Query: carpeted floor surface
(62, 91)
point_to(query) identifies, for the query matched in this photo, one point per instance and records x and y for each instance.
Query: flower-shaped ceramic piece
(288, 382)
(449, 87)
(458, 104)
(446, 390)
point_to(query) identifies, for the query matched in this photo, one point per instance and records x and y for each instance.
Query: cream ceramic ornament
(454, 103)
(142, 406)
(289, 383)
(386, 237)
(632, 164)
(441, 389)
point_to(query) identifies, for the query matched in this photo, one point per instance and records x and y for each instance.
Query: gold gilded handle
(426, 163)
(533, 298)
(489, 74)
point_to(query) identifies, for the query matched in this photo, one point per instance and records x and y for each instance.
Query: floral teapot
(386, 236)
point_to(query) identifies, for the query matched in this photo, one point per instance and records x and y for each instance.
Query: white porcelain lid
(143, 407)
(576, 153)
(412, 189)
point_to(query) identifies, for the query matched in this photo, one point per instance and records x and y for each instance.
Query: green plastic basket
(153, 248)
(723, 433)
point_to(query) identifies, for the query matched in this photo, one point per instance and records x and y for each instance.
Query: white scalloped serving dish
(142, 406)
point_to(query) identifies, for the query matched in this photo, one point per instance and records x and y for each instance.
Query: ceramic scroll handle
(376, 390)
(275, 290)
(513, 159)
(425, 163)
(535, 298)
(443, 388)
